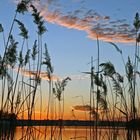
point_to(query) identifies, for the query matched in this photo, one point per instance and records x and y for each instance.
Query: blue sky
(71, 37)
(72, 48)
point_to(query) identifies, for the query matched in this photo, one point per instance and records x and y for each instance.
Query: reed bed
(21, 67)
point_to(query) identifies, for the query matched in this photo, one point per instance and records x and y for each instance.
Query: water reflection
(7, 132)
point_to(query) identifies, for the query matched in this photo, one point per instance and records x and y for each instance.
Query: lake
(67, 133)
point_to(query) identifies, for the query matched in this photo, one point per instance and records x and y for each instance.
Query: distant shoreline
(69, 123)
(132, 124)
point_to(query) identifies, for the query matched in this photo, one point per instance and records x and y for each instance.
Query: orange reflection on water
(66, 133)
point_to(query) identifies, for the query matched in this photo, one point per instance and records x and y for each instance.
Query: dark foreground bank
(131, 124)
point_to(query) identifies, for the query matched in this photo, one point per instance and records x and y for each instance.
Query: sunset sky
(71, 38)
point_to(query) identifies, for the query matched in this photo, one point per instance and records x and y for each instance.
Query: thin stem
(98, 60)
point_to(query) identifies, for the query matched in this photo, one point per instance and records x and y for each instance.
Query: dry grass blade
(11, 53)
(34, 50)
(47, 60)
(108, 68)
(137, 22)
(116, 47)
(24, 31)
(22, 6)
(1, 28)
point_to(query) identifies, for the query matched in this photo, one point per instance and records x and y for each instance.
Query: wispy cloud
(82, 108)
(86, 108)
(89, 21)
(92, 23)
(79, 77)
(42, 75)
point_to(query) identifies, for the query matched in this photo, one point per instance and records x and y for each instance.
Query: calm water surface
(67, 133)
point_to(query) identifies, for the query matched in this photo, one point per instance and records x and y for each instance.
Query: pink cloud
(42, 75)
(93, 25)
(91, 22)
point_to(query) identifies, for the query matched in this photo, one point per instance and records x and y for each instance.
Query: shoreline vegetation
(64, 123)
(21, 68)
(132, 124)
